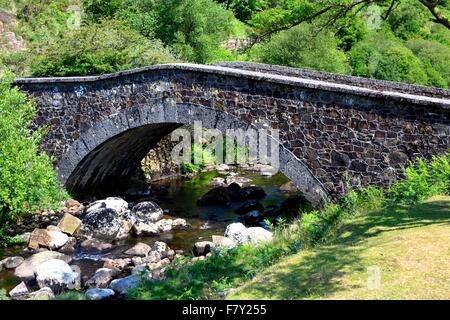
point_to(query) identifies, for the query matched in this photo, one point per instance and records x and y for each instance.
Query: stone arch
(113, 147)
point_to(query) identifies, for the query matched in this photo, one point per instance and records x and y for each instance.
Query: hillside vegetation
(400, 40)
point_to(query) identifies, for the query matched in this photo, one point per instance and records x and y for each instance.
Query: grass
(410, 247)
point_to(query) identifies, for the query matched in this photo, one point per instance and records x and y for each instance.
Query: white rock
(140, 249)
(161, 247)
(234, 232)
(164, 225)
(42, 294)
(99, 294)
(223, 242)
(117, 204)
(11, 262)
(20, 291)
(26, 270)
(145, 229)
(57, 275)
(101, 278)
(124, 284)
(147, 212)
(58, 238)
(251, 236)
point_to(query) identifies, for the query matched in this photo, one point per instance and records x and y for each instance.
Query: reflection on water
(180, 201)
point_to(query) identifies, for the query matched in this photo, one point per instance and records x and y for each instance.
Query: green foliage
(381, 57)
(3, 295)
(195, 29)
(106, 47)
(435, 58)
(244, 9)
(99, 9)
(27, 179)
(70, 295)
(303, 47)
(409, 20)
(423, 180)
(200, 158)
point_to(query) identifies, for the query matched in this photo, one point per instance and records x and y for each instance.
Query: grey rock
(101, 278)
(12, 262)
(26, 270)
(99, 294)
(57, 275)
(124, 284)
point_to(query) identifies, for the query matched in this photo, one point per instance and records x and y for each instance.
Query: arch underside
(111, 150)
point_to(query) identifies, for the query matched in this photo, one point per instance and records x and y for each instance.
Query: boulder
(12, 262)
(57, 275)
(124, 284)
(69, 247)
(145, 229)
(147, 212)
(252, 192)
(72, 206)
(251, 236)
(180, 224)
(152, 257)
(128, 221)
(233, 190)
(222, 242)
(26, 270)
(102, 223)
(161, 247)
(252, 218)
(45, 293)
(289, 187)
(164, 225)
(140, 249)
(51, 238)
(203, 247)
(234, 232)
(214, 197)
(256, 235)
(117, 204)
(217, 182)
(99, 294)
(19, 292)
(95, 245)
(250, 205)
(117, 264)
(241, 181)
(101, 278)
(69, 224)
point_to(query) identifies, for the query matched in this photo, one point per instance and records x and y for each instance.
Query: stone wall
(328, 129)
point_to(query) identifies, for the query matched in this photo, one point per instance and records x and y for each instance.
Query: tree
(382, 57)
(303, 47)
(106, 47)
(27, 179)
(436, 60)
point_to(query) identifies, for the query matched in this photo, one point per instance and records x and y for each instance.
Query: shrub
(423, 180)
(106, 47)
(303, 47)
(27, 179)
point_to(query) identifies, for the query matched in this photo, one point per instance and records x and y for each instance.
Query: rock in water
(202, 248)
(101, 278)
(95, 245)
(145, 229)
(253, 192)
(117, 204)
(51, 238)
(161, 247)
(99, 294)
(250, 205)
(19, 292)
(214, 197)
(140, 249)
(26, 270)
(103, 223)
(57, 275)
(12, 262)
(124, 284)
(69, 224)
(147, 212)
(42, 294)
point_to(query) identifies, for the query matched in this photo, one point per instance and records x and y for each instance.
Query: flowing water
(179, 200)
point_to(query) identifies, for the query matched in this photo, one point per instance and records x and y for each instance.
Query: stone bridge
(100, 127)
